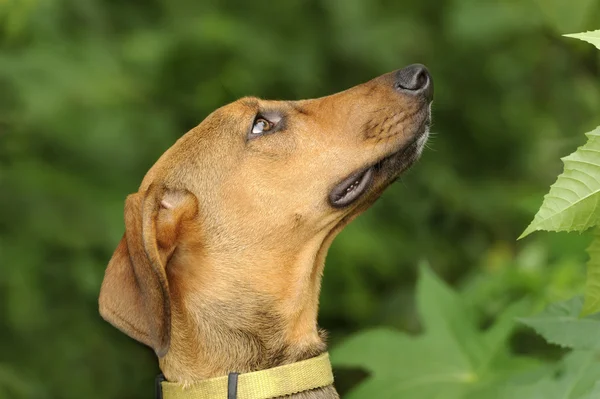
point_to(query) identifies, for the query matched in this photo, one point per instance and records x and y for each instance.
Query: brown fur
(220, 266)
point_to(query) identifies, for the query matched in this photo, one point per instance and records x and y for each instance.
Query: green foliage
(454, 358)
(453, 355)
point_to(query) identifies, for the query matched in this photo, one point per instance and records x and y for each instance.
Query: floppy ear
(134, 296)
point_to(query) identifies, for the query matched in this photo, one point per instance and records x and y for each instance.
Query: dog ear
(134, 296)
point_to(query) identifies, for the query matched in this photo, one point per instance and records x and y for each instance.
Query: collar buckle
(232, 385)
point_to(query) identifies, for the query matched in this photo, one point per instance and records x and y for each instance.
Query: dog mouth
(352, 187)
(358, 183)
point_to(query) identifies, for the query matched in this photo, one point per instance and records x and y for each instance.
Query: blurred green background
(93, 91)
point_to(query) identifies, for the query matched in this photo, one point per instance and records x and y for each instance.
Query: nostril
(421, 80)
(414, 79)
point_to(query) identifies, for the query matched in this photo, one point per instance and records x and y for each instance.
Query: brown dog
(220, 266)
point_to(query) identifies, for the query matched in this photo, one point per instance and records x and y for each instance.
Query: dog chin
(421, 141)
(402, 160)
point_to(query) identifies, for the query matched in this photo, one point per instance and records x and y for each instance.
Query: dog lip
(352, 187)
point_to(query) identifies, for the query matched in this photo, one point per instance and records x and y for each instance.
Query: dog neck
(238, 326)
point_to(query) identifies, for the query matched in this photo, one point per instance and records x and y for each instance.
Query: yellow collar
(264, 384)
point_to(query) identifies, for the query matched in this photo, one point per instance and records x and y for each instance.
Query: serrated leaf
(560, 324)
(592, 37)
(573, 202)
(591, 303)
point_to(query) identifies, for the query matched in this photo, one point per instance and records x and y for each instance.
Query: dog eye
(261, 125)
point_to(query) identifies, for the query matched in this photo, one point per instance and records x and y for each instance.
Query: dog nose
(415, 80)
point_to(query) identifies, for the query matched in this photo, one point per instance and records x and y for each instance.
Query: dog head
(250, 199)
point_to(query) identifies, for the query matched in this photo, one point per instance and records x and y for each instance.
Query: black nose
(415, 80)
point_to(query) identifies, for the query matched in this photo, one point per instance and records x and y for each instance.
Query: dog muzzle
(278, 381)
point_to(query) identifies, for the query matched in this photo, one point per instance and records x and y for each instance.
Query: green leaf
(573, 201)
(364, 350)
(453, 358)
(445, 315)
(592, 37)
(594, 393)
(575, 378)
(591, 303)
(560, 324)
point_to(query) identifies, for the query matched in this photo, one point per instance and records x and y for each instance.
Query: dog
(220, 266)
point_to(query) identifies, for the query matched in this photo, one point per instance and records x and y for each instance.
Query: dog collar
(264, 384)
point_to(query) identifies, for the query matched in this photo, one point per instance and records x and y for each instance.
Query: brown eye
(261, 125)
